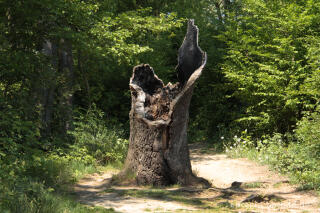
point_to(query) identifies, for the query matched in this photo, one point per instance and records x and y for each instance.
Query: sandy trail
(90, 191)
(221, 171)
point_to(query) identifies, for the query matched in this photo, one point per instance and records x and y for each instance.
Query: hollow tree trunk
(158, 150)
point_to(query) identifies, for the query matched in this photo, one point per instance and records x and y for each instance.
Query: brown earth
(233, 180)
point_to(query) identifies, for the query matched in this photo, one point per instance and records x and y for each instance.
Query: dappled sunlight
(241, 185)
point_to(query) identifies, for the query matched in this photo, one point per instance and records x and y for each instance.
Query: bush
(38, 180)
(28, 196)
(307, 151)
(308, 133)
(295, 154)
(40, 183)
(93, 138)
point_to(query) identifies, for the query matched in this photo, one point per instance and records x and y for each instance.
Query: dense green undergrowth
(42, 185)
(297, 154)
(34, 180)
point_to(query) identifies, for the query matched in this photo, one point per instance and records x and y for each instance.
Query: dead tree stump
(158, 150)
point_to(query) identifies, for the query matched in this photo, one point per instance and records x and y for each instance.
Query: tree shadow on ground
(178, 195)
(212, 199)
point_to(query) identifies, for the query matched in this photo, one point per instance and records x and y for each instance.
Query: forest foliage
(65, 67)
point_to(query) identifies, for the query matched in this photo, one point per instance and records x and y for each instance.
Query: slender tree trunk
(49, 87)
(158, 149)
(85, 77)
(55, 92)
(66, 70)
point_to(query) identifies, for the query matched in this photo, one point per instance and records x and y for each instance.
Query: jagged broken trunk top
(158, 149)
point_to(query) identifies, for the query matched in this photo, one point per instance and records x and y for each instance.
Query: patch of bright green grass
(253, 185)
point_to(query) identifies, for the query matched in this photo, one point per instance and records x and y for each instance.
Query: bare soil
(233, 180)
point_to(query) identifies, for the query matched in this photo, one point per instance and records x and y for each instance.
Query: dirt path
(234, 181)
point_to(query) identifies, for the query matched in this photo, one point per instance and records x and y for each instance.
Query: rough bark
(158, 148)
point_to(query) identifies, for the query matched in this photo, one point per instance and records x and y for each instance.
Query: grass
(48, 202)
(279, 184)
(44, 185)
(253, 185)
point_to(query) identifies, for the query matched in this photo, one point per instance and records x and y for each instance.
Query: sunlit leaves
(269, 46)
(125, 35)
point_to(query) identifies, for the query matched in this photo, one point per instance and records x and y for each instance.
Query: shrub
(40, 183)
(28, 196)
(295, 154)
(94, 138)
(308, 133)
(307, 151)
